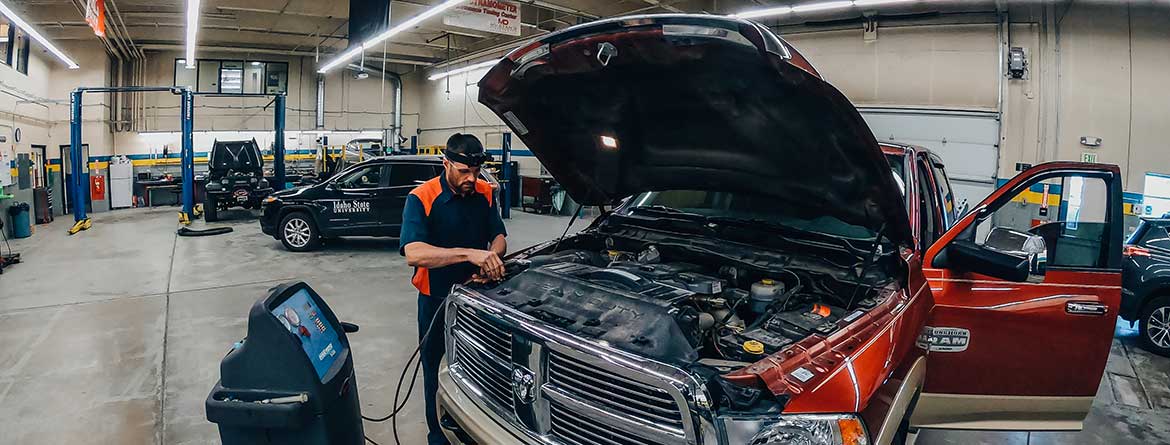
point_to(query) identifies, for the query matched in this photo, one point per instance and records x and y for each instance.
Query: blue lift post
(505, 171)
(75, 155)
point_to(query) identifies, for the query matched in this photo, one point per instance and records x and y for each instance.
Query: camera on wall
(1017, 63)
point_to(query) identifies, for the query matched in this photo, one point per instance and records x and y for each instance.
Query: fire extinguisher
(97, 187)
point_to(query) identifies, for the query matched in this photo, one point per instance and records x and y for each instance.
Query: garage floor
(115, 335)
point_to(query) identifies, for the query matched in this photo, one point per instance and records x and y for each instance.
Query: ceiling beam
(663, 5)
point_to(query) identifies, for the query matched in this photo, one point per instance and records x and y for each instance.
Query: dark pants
(431, 354)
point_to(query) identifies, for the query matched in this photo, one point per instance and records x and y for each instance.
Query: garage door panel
(967, 142)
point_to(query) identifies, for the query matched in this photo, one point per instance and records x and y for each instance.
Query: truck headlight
(803, 429)
(213, 186)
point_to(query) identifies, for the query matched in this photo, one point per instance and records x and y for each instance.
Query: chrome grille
(583, 393)
(571, 429)
(644, 409)
(484, 352)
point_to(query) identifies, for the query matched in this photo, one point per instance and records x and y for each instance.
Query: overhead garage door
(967, 142)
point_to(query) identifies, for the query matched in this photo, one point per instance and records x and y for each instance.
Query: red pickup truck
(773, 275)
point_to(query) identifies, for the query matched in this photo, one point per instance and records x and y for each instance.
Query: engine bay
(672, 306)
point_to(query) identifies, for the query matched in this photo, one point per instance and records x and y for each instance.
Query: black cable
(402, 377)
(368, 439)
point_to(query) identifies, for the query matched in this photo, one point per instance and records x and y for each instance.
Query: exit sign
(1089, 157)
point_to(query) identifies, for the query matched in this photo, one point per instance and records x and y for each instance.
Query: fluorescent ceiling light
(409, 23)
(764, 12)
(353, 52)
(814, 6)
(821, 6)
(192, 27)
(879, 2)
(465, 69)
(28, 29)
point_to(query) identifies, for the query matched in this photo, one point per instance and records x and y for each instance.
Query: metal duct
(397, 82)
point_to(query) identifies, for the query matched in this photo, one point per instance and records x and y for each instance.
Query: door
(1027, 289)
(67, 177)
(41, 178)
(404, 177)
(350, 210)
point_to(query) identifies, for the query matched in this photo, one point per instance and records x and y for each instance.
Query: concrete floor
(115, 335)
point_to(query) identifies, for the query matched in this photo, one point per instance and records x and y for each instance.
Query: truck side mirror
(967, 256)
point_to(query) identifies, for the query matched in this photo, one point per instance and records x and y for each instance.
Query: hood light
(609, 142)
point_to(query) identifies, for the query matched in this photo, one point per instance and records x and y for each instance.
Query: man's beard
(466, 188)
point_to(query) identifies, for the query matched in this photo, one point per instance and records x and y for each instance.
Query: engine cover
(618, 305)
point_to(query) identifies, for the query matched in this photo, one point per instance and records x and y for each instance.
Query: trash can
(18, 214)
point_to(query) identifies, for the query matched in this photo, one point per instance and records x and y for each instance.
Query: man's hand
(490, 265)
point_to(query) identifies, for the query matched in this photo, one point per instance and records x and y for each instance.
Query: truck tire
(210, 208)
(298, 232)
(1155, 325)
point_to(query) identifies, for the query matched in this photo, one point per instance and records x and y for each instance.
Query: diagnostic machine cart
(291, 381)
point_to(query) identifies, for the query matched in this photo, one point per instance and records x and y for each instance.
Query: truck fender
(900, 407)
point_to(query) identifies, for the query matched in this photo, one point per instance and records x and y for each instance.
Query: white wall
(930, 66)
(451, 105)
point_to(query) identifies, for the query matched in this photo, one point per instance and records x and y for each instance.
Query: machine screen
(301, 316)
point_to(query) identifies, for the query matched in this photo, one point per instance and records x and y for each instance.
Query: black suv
(1145, 295)
(363, 200)
(235, 177)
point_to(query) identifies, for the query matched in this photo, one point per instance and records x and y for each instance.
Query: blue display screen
(301, 316)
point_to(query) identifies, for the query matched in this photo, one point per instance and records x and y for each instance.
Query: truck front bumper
(463, 419)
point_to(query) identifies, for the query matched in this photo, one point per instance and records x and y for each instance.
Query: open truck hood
(693, 102)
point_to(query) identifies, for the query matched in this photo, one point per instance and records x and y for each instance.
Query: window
(233, 76)
(410, 175)
(184, 76)
(14, 46)
(928, 218)
(254, 78)
(276, 78)
(1063, 221)
(943, 183)
(1156, 236)
(208, 76)
(7, 34)
(366, 177)
(20, 51)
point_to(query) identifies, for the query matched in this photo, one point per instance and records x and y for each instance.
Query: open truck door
(1027, 288)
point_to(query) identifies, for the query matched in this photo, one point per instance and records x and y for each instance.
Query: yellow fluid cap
(768, 281)
(753, 347)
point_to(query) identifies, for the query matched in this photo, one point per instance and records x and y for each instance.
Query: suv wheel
(1155, 325)
(298, 233)
(210, 208)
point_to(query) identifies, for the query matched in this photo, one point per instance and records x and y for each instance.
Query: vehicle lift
(186, 155)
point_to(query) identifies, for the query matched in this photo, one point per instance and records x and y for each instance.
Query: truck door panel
(1026, 354)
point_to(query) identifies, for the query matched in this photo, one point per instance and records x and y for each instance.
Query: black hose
(185, 231)
(402, 377)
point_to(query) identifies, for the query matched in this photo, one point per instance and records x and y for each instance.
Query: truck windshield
(723, 206)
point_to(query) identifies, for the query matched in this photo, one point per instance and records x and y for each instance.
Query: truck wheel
(1155, 325)
(299, 233)
(210, 208)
